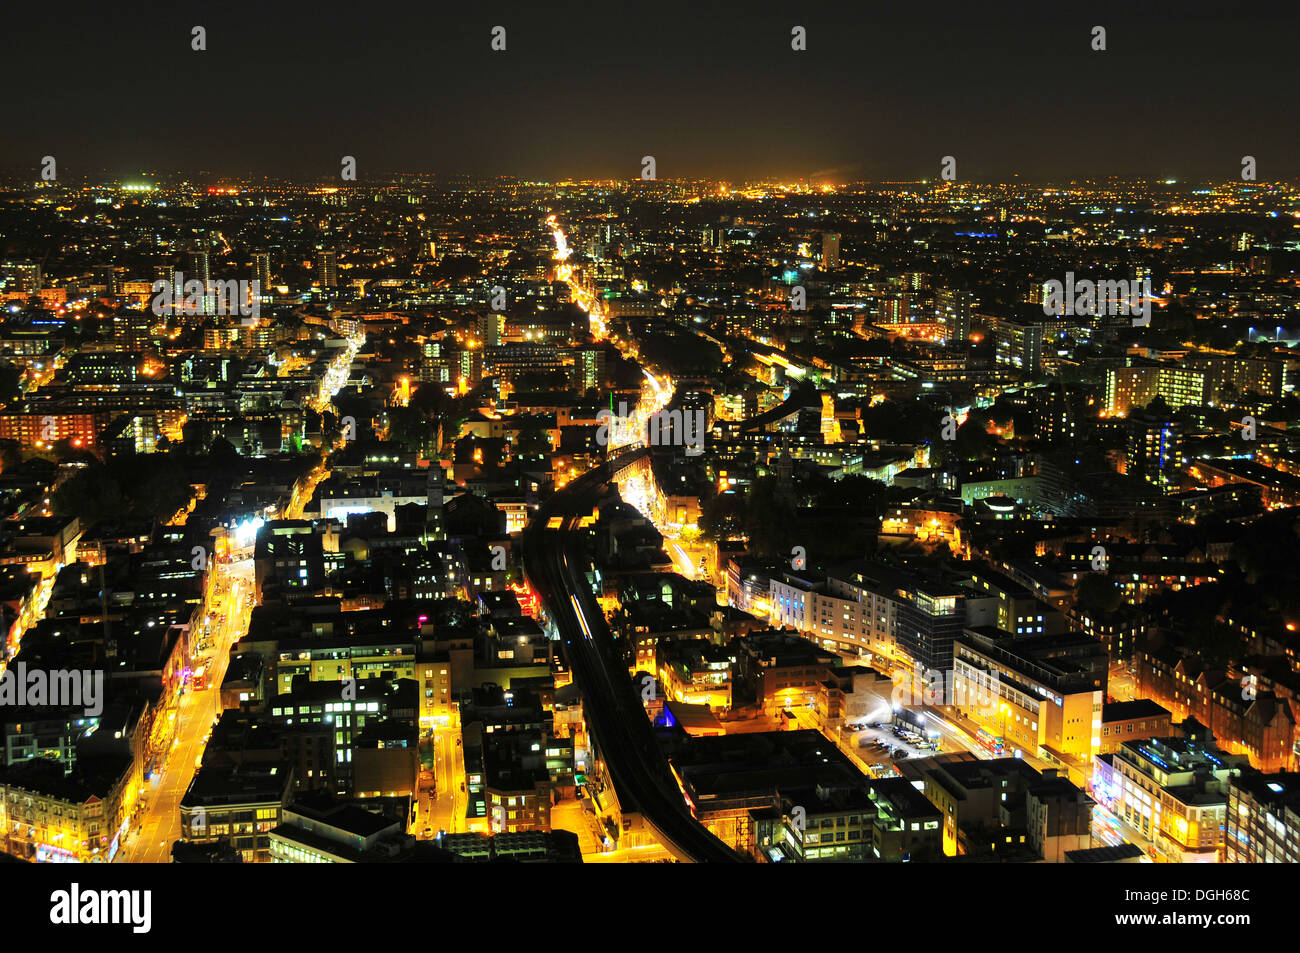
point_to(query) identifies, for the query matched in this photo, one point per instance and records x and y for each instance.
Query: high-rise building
(1263, 819)
(588, 368)
(1138, 385)
(23, 275)
(954, 307)
(200, 268)
(433, 510)
(1227, 377)
(1018, 343)
(490, 328)
(327, 263)
(1055, 416)
(1155, 445)
(106, 275)
(262, 269)
(830, 251)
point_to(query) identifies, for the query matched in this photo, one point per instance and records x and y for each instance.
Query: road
(303, 493)
(580, 295)
(337, 374)
(556, 565)
(1111, 830)
(656, 389)
(445, 809)
(151, 840)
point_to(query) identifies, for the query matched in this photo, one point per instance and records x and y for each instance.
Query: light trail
(582, 620)
(337, 374)
(583, 298)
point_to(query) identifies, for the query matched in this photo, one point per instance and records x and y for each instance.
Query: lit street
(151, 839)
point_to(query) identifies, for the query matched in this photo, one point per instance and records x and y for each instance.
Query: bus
(991, 743)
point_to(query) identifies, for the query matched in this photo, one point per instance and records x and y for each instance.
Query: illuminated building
(1135, 386)
(49, 817)
(781, 670)
(1019, 612)
(490, 326)
(377, 492)
(1229, 377)
(588, 368)
(200, 267)
(1263, 819)
(25, 276)
(982, 803)
(327, 266)
(131, 433)
(954, 308)
(1260, 724)
(830, 251)
(930, 616)
(1155, 445)
(524, 847)
(1137, 720)
(514, 759)
(1047, 690)
(694, 671)
(907, 826)
(805, 605)
(926, 521)
(1019, 343)
(36, 430)
(749, 586)
(262, 270)
(1058, 817)
(736, 785)
(1172, 790)
(238, 805)
(288, 561)
(815, 824)
(853, 695)
(374, 703)
(344, 656)
(337, 833)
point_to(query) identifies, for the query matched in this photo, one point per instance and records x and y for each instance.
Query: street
(443, 808)
(150, 841)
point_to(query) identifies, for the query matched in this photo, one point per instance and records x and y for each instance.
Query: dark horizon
(1182, 91)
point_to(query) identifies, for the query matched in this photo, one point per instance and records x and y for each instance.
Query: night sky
(585, 89)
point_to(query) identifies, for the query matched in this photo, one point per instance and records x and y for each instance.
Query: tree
(1097, 594)
(11, 454)
(532, 439)
(10, 382)
(90, 495)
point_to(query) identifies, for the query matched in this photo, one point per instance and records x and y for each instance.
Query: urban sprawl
(447, 520)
